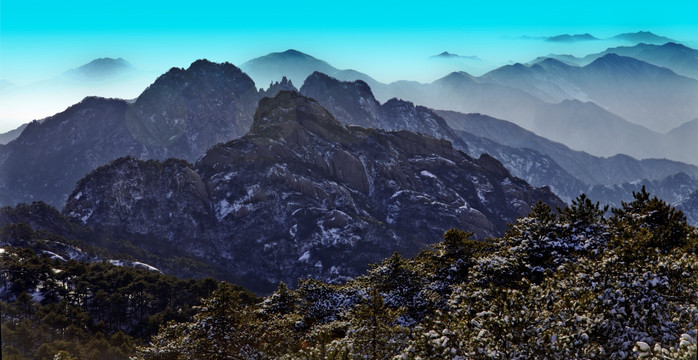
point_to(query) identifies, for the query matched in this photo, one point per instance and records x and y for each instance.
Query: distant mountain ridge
(523, 95)
(681, 59)
(639, 92)
(643, 37)
(525, 154)
(12, 134)
(101, 69)
(638, 37)
(448, 55)
(571, 38)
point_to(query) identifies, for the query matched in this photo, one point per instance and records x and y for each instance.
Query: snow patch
(427, 174)
(305, 257)
(133, 264)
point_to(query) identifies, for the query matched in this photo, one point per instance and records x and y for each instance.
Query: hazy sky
(388, 40)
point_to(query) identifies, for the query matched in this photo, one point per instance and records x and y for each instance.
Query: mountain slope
(303, 195)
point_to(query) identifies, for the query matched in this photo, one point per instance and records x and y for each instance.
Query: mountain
(639, 92)
(642, 37)
(571, 38)
(449, 56)
(587, 127)
(681, 59)
(581, 125)
(101, 69)
(352, 103)
(591, 174)
(652, 96)
(686, 135)
(671, 189)
(182, 114)
(12, 134)
(296, 66)
(302, 195)
(689, 206)
(536, 80)
(105, 77)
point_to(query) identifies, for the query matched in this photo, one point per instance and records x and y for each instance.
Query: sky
(389, 40)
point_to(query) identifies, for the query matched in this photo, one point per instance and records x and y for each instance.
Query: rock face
(169, 199)
(182, 114)
(303, 195)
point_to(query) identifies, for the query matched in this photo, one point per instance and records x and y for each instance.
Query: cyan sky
(43, 35)
(388, 40)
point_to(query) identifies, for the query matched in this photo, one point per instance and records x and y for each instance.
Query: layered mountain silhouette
(610, 91)
(679, 58)
(589, 169)
(645, 37)
(527, 155)
(296, 66)
(571, 38)
(642, 93)
(303, 195)
(101, 69)
(104, 77)
(451, 56)
(352, 103)
(639, 37)
(181, 115)
(12, 134)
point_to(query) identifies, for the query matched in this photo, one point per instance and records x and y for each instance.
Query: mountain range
(679, 58)
(639, 37)
(182, 114)
(301, 193)
(536, 159)
(534, 98)
(161, 123)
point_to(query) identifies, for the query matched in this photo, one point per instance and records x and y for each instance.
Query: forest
(579, 282)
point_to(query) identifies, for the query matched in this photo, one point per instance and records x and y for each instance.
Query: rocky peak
(276, 87)
(352, 103)
(288, 113)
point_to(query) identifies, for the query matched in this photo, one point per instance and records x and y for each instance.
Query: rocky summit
(303, 195)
